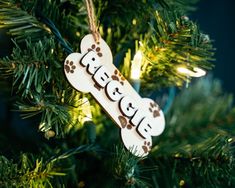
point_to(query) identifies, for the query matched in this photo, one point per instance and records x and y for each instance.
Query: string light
(197, 72)
(136, 66)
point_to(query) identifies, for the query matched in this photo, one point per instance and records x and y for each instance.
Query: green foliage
(35, 78)
(20, 23)
(208, 163)
(30, 66)
(27, 172)
(174, 42)
(49, 169)
(196, 148)
(69, 17)
(126, 169)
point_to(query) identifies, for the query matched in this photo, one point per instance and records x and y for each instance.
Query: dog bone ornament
(93, 71)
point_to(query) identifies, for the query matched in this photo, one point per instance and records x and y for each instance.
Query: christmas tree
(53, 135)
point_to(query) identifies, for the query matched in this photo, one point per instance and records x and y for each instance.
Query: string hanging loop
(92, 20)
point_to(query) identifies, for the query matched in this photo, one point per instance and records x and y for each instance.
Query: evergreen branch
(35, 70)
(60, 114)
(175, 41)
(68, 16)
(57, 34)
(127, 170)
(70, 152)
(31, 20)
(208, 163)
(54, 116)
(19, 23)
(212, 160)
(26, 174)
(33, 67)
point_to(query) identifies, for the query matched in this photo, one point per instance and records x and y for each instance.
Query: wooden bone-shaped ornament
(93, 71)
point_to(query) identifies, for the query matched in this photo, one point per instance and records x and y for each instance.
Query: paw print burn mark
(146, 147)
(124, 122)
(129, 126)
(96, 49)
(118, 76)
(69, 67)
(154, 108)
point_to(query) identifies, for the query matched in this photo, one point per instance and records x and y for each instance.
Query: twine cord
(92, 20)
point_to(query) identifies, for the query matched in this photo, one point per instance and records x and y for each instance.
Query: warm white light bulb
(197, 72)
(136, 66)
